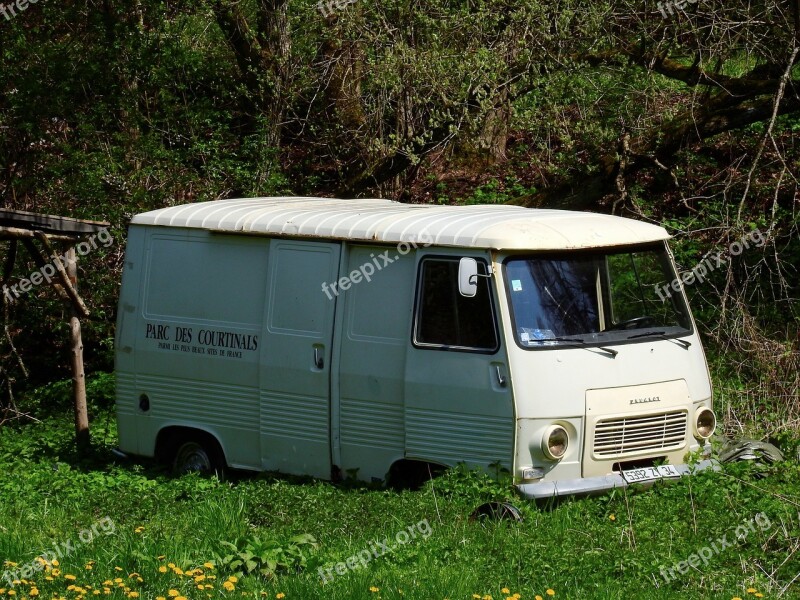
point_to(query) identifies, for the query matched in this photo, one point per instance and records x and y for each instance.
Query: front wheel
(195, 457)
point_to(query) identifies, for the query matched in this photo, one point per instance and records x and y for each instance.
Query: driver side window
(447, 320)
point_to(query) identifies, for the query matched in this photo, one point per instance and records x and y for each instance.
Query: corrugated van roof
(500, 227)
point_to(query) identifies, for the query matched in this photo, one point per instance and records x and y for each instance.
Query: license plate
(650, 474)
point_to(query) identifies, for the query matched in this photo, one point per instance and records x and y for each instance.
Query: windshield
(600, 296)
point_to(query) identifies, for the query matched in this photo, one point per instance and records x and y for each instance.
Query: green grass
(605, 547)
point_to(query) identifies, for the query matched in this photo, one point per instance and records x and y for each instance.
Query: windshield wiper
(661, 334)
(580, 344)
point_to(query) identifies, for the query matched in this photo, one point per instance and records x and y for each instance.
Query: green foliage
(478, 486)
(265, 557)
(170, 532)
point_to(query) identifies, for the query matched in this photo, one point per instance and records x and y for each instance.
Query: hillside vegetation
(684, 117)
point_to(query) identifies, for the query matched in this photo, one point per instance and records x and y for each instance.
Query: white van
(321, 337)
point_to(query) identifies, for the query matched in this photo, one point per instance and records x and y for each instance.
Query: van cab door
(458, 402)
(296, 358)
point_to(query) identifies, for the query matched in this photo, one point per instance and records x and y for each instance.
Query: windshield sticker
(532, 337)
(516, 285)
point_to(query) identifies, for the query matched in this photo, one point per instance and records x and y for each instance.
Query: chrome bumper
(597, 485)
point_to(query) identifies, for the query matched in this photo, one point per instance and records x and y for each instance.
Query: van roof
(501, 227)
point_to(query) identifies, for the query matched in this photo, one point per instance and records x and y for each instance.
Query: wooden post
(78, 375)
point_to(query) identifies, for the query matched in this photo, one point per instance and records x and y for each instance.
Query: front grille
(630, 435)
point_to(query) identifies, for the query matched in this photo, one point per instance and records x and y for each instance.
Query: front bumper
(596, 485)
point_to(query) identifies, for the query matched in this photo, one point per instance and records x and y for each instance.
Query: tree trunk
(78, 375)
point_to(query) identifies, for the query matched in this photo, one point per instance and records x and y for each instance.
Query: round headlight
(705, 423)
(555, 442)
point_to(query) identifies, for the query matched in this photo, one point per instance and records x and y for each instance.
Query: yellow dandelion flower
(56, 572)
(612, 517)
(751, 590)
(208, 565)
(229, 586)
(12, 593)
(758, 595)
(736, 598)
(162, 569)
(517, 596)
(118, 568)
(181, 598)
(280, 595)
(162, 557)
(509, 597)
(70, 577)
(476, 596)
(550, 592)
(34, 591)
(106, 591)
(233, 579)
(171, 565)
(374, 589)
(200, 586)
(48, 578)
(177, 571)
(160, 598)
(173, 593)
(199, 578)
(55, 562)
(538, 597)
(506, 591)
(133, 595)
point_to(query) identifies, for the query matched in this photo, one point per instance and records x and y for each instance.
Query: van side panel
(375, 334)
(296, 358)
(459, 405)
(197, 337)
(128, 316)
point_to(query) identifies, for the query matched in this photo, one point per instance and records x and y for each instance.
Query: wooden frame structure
(28, 228)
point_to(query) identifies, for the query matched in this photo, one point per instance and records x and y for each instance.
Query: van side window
(444, 317)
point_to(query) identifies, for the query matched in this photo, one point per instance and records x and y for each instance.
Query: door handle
(501, 379)
(319, 359)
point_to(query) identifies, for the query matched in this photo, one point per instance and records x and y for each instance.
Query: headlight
(555, 442)
(705, 423)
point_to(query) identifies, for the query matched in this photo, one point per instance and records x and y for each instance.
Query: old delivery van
(320, 337)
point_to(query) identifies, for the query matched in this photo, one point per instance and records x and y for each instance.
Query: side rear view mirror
(468, 277)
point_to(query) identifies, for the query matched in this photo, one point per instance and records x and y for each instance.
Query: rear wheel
(196, 456)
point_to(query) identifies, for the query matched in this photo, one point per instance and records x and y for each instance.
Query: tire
(196, 456)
